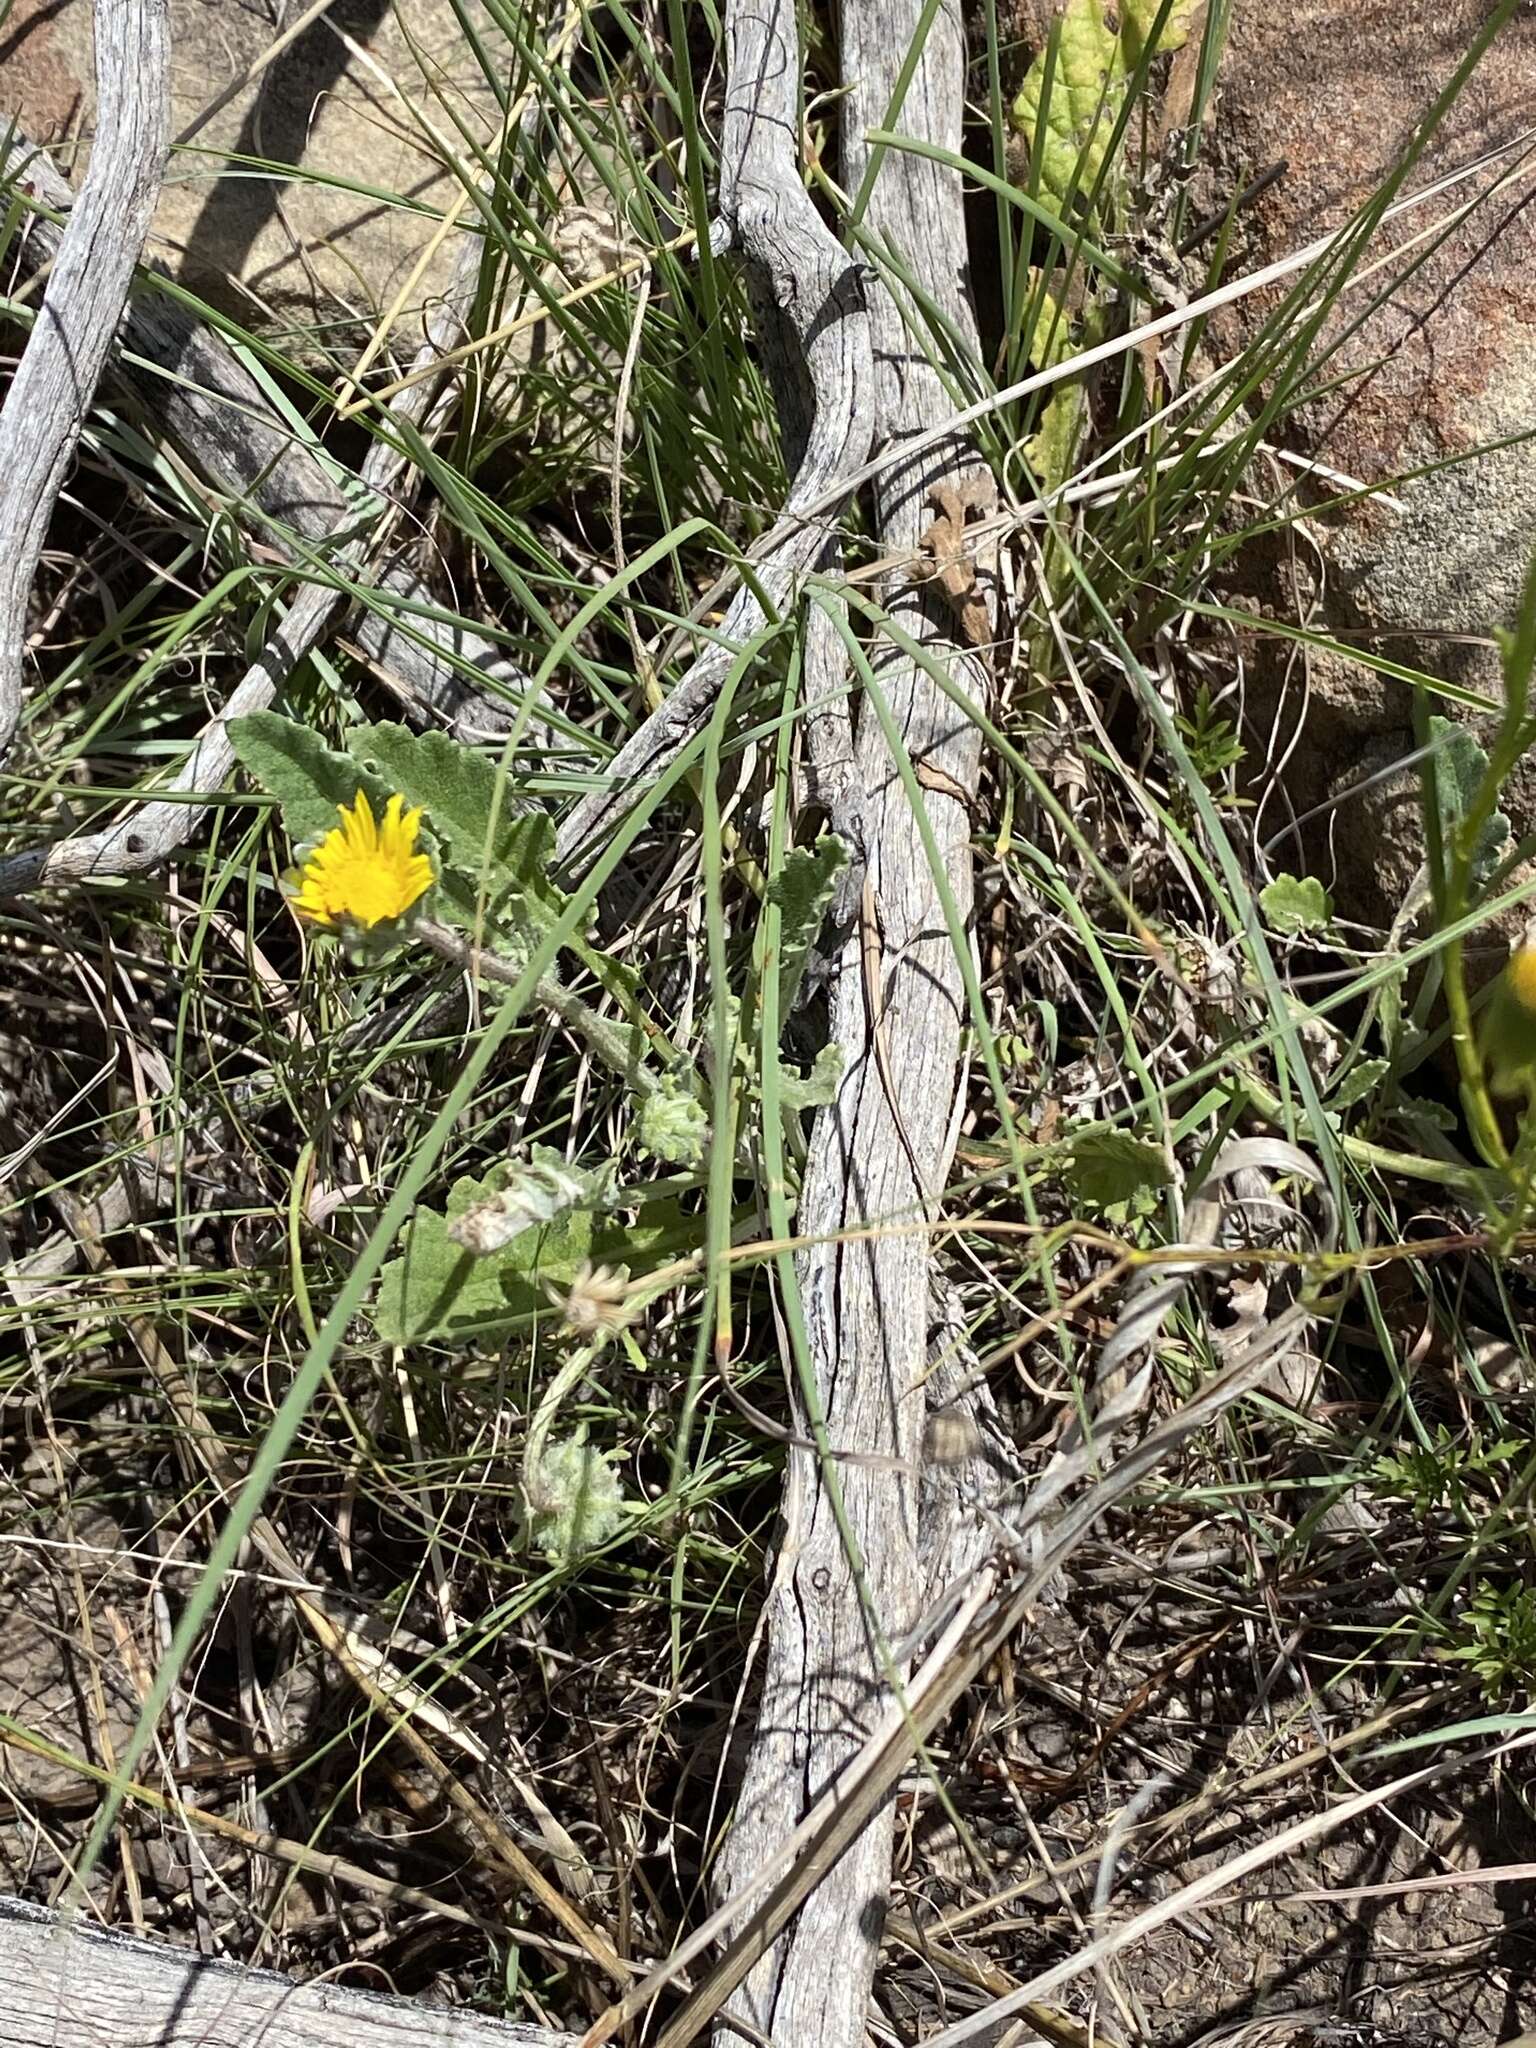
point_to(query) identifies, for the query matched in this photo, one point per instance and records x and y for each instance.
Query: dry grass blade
(343, 1635)
(238, 447)
(815, 339)
(1210, 1887)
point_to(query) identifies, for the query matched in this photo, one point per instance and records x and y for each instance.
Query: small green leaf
(1459, 765)
(1087, 88)
(803, 890)
(1116, 1172)
(575, 1501)
(1137, 19)
(812, 1090)
(1363, 1079)
(1423, 1110)
(1295, 904)
(672, 1125)
(438, 1290)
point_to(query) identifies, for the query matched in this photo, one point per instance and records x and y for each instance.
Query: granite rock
(368, 95)
(1442, 373)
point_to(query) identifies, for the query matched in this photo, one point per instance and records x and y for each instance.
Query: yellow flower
(1521, 977)
(364, 873)
(1508, 1028)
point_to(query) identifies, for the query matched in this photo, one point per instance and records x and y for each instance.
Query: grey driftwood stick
(290, 483)
(82, 301)
(213, 410)
(867, 1300)
(813, 327)
(81, 1985)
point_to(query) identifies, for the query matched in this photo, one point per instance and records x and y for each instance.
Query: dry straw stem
(813, 330)
(343, 1635)
(1203, 1891)
(208, 405)
(67, 348)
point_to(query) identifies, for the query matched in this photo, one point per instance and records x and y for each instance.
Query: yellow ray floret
(362, 872)
(1507, 1029)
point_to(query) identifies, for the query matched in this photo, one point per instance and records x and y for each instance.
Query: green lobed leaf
(672, 1124)
(1117, 1172)
(815, 1089)
(803, 890)
(1363, 1079)
(309, 779)
(533, 1191)
(1098, 50)
(1087, 87)
(1459, 767)
(1295, 904)
(576, 1501)
(436, 1290)
(1139, 17)
(457, 787)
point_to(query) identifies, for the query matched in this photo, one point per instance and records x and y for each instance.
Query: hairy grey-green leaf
(535, 1191)
(575, 1503)
(1459, 767)
(310, 780)
(438, 1290)
(672, 1125)
(803, 890)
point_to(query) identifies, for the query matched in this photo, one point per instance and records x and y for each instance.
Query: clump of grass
(286, 1288)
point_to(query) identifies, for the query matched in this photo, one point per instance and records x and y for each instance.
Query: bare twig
(204, 399)
(667, 732)
(67, 348)
(342, 1632)
(243, 444)
(979, 1615)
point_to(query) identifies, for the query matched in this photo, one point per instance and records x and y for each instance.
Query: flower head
(1507, 1031)
(1521, 977)
(362, 872)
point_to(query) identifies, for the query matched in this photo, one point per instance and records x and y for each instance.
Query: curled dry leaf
(952, 556)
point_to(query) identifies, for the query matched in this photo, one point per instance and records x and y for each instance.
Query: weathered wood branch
(203, 398)
(813, 328)
(81, 1984)
(219, 414)
(82, 301)
(867, 1300)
